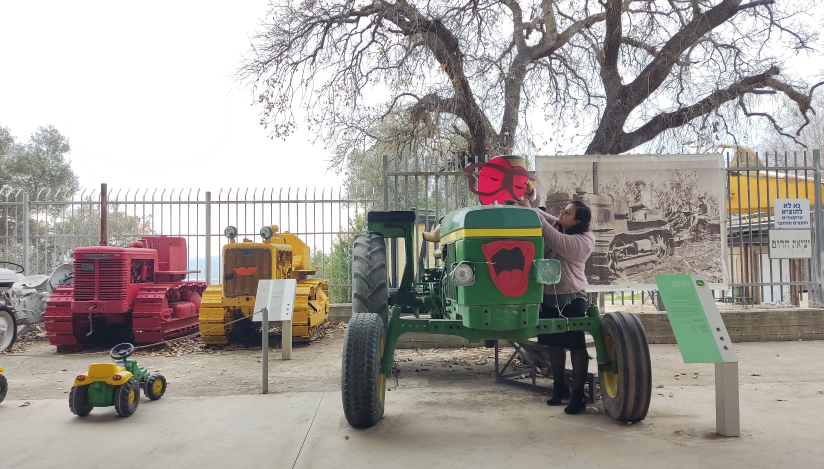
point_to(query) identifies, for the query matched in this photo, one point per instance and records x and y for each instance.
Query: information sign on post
(702, 338)
(278, 298)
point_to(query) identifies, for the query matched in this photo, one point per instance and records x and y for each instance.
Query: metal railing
(434, 185)
(754, 276)
(40, 232)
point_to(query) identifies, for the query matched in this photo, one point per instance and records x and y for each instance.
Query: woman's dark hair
(583, 215)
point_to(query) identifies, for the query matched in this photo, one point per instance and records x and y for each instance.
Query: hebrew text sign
(790, 244)
(792, 214)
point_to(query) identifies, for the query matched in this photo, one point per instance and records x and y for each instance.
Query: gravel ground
(36, 371)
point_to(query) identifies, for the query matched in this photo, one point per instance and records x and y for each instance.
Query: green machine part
(504, 248)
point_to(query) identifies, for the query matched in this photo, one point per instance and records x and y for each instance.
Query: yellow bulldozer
(279, 256)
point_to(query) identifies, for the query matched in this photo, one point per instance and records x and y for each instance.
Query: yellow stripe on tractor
(490, 233)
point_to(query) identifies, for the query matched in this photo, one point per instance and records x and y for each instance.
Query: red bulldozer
(120, 291)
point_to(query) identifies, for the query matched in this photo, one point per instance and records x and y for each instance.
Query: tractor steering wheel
(122, 351)
(18, 268)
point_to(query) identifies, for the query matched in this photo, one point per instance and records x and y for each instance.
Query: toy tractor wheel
(363, 386)
(79, 401)
(126, 398)
(626, 393)
(4, 387)
(155, 387)
(8, 328)
(370, 292)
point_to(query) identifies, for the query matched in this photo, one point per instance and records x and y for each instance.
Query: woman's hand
(529, 195)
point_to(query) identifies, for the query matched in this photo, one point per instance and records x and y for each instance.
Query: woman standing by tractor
(566, 238)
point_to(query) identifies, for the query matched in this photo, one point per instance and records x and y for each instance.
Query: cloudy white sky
(146, 94)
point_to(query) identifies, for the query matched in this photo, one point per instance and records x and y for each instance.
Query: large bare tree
(620, 73)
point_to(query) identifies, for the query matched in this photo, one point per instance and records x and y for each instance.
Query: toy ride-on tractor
(4, 385)
(115, 384)
(490, 286)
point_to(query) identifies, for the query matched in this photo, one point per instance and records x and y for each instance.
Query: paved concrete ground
(446, 417)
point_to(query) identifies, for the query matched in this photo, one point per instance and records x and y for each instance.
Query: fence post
(208, 237)
(819, 227)
(25, 233)
(385, 177)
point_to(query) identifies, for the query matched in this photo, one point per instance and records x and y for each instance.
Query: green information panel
(695, 319)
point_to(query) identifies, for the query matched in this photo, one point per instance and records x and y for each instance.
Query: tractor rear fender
(397, 224)
(104, 372)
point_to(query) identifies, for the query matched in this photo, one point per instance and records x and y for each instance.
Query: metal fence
(752, 186)
(432, 186)
(40, 232)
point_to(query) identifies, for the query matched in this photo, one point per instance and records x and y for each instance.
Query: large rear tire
(79, 401)
(626, 394)
(370, 290)
(362, 384)
(126, 398)
(8, 327)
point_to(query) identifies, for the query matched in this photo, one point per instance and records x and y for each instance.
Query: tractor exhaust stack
(104, 215)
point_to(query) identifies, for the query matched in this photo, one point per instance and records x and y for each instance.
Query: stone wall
(751, 325)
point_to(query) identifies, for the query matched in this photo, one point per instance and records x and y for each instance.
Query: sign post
(275, 301)
(702, 338)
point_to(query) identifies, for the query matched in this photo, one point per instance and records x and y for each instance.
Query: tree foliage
(508, 75)
(41, 167)
(38, 166)
(336, 267)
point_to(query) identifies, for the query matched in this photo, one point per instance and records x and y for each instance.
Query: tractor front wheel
(155, 387)
(79, 401)
(126, 398)
(370, 291)
(362, 384)
(626, 392)
(8, 327)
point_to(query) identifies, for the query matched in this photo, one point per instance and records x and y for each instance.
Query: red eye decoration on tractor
(502, 178)
(245, 271)
(510, 262)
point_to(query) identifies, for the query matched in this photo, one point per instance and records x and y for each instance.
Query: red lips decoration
(245, 271)
(498, 180)
(510, 262)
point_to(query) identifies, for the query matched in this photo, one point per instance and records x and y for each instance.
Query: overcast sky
(146, 94)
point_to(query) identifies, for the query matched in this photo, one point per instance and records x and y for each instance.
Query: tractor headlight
(230, 232)
(267, 232)
(463, 275)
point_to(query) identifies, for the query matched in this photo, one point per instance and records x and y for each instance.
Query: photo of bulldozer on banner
(652, 214)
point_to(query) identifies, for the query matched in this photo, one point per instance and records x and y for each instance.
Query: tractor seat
(104, 370)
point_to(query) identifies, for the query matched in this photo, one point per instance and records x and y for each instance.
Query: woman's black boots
(560, 393)
(577, 403)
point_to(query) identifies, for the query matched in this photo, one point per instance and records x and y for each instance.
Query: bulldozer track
(219, 323)
(154, 319)
(58, 317)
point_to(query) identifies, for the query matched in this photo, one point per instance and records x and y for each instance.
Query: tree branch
(669, 120)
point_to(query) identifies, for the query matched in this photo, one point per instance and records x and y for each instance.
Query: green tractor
(115, 384)
(490, 286)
